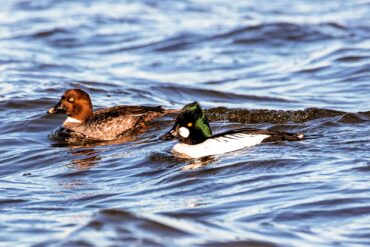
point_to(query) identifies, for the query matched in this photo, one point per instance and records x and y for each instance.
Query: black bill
(58, 108)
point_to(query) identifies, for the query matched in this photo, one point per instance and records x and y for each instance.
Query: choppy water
(279, 55)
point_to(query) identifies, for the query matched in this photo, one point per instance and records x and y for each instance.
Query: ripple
(277, 33)
(286, 66)
(127, 225)
(181, 92)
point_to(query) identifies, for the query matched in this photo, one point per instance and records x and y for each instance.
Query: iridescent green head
(191, 126)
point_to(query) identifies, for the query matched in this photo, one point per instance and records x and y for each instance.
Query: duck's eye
(71, 100)
(189, 124)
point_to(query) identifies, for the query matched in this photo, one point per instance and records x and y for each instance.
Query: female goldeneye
(101, 125)
(196, 139)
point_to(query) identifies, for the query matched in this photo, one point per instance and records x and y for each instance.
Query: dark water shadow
(255, 116)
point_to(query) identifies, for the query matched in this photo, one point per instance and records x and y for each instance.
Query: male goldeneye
(196, 139)
(104, 124)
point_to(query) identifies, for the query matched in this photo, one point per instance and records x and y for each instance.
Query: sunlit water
(277, 55)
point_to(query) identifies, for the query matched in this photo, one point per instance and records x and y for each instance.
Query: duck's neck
(81, 112)
(200, 133)
(71, 120)
(194, 138)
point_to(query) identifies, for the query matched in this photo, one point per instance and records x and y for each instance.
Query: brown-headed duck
(104, 124)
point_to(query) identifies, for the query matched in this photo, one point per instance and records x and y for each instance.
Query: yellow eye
(190, 124)
(71, 99)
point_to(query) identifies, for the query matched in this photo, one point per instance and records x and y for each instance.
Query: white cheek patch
(184, 132)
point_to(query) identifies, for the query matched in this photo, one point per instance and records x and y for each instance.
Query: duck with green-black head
(196, 140)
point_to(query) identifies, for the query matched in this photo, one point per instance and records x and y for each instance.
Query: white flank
(72, 120)
(219, 145)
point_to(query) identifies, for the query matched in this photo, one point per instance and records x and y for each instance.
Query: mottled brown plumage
(104, 124)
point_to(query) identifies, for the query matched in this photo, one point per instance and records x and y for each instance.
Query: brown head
(75, 103)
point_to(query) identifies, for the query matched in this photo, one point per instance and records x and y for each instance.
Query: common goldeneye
(104, 124)
(196, 139)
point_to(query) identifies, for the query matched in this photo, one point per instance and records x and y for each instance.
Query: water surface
(282, 56)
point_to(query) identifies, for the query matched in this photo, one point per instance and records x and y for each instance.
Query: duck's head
(191, 126)
(75, 103)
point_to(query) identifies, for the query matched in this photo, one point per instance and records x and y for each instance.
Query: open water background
(276, 55)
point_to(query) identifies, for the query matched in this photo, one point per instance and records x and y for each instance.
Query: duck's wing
(273, 136)
(111, 123)
(131, 110)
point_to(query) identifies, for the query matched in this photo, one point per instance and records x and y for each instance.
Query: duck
(105, 124)
(196, 140)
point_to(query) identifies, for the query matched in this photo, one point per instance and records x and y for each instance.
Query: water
(283, 56)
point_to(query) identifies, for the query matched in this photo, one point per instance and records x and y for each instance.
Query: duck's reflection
(197, 163)
(83, 159)
(87, 151)
(174, 160)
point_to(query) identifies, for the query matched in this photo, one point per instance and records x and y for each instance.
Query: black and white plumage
(196, 139)
(232, 141)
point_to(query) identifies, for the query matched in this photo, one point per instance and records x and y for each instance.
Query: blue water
(283, 56)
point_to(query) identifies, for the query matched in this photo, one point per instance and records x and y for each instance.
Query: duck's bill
(169, 135)
(57, 109)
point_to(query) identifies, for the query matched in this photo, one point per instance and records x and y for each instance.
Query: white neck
(72, 120)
